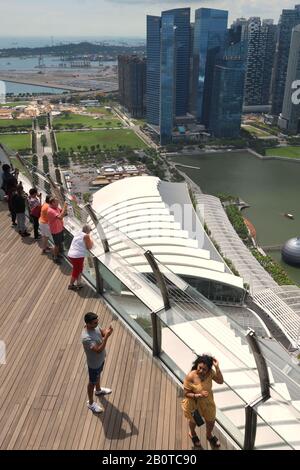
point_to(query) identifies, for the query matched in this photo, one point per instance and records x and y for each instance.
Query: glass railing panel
(284, 365)
(132, 310)
(276, 427)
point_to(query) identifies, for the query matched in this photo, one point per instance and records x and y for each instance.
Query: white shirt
(78, 247)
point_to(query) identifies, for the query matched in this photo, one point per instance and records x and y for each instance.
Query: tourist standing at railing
(44, 226)
(80, 244)
(19, 208)
(94, 342)
(1, 182)
(199, 396)
(9, 186)
(34, 204)
(56, 226)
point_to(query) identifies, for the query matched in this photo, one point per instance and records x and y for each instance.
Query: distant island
(103, 51)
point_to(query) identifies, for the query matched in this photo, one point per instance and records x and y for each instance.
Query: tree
(58, 176)
(43, 140)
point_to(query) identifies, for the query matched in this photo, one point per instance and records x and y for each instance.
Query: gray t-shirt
(89, 339)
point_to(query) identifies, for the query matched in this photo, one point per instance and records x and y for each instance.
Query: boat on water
(289, 216)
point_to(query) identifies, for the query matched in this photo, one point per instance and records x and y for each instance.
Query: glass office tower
(228, 93)
(153, 69)
(167, 78)
(288, 20)
(168, 69)
(209, 37)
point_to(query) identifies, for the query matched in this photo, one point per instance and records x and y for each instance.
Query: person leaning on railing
(80, 244)
(56, 225)
(44, 226)
(199, 396)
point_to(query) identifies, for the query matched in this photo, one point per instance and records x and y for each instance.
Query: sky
(112, 17)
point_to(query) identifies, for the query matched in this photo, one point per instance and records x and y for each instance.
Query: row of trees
(45, 164)
(274, 269)
(236, 219)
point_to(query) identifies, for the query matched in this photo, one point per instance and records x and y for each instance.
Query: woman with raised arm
(199, 396)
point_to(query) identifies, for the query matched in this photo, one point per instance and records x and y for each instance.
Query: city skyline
(93, 17)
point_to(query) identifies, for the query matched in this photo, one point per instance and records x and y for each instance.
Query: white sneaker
(95, 408)
(103, 391)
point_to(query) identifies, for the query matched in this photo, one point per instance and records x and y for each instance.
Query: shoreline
(23, 81)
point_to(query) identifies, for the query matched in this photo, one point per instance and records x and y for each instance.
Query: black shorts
(94, 374)
(58, 238)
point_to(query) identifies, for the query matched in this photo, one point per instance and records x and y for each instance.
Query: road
(127, 121)
(47, 150)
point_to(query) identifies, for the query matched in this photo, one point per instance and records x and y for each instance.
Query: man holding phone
(94, 342)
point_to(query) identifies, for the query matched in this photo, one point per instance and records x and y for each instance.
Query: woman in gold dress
(198, 395)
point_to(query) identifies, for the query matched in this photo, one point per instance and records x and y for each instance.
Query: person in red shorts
(80, 244)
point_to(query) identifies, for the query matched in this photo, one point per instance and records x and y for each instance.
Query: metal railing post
(260, 364)
(159, 279)
(99, 279)
(250, 409)
(156, 326)
(98, 226)
(250, 426)
(156, 331)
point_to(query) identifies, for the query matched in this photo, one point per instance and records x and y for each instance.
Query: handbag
(36, 211)
(197, 418)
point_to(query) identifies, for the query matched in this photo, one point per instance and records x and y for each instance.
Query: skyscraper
(288, 20)
(254, 66)
(132, 84)
(228, 93)
(153, 69)
(209, 36)
(289, 119)
(260, 38)
(167, 78)
(182, 42)
(269, 34)
(168, 69)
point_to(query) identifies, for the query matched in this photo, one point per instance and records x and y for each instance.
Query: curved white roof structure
(159, 216)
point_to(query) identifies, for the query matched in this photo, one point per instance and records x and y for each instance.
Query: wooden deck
(43, 384)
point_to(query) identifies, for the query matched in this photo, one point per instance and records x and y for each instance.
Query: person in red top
(56, 226)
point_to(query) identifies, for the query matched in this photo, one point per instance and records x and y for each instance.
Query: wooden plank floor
(43, 384)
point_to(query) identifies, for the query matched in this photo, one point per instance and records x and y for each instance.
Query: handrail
(159, 277)
(99, 227)
(251, 416)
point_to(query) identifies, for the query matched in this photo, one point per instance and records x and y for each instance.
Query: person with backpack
(34, 204)
(19, 208)
(9, 186)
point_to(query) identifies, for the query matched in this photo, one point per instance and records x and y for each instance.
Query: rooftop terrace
(43, 384)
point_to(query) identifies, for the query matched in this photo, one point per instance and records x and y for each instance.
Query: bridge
(272, 248)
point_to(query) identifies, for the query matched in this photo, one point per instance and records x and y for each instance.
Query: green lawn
(291, 152)
(17, 142)
(255, 131)
(15, 123)
(16, 103)
(110, 139)
(73, 120)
